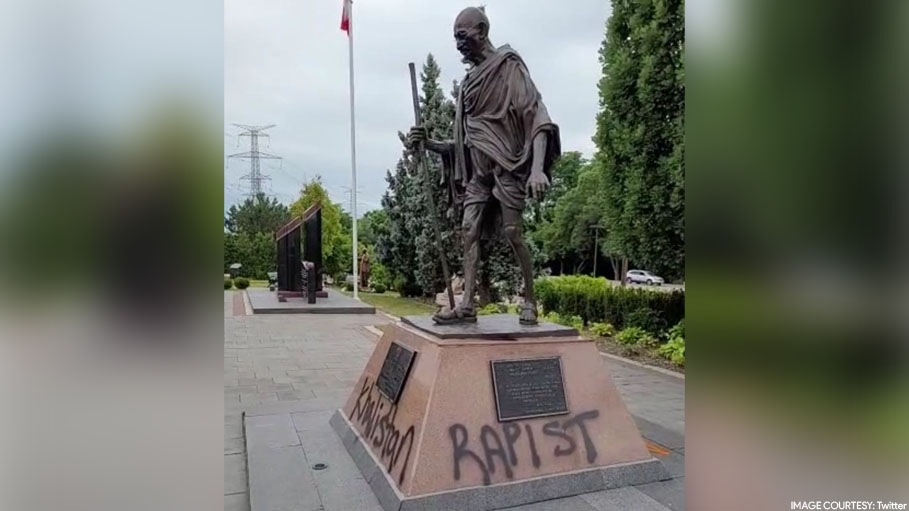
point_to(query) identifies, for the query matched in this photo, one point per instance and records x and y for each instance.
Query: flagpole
(353, 155)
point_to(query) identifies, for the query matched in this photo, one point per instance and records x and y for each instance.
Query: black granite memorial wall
(298, 241)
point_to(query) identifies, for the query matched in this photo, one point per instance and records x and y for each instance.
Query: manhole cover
(319, 466)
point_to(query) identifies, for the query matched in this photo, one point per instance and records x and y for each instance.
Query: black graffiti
(459, 446)
(376, 415)
(578, 420)
(487, 434)
(535, 458)
(493, 448)
(512, 433)
(555, 429)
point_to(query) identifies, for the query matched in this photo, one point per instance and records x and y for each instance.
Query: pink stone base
(444, 434)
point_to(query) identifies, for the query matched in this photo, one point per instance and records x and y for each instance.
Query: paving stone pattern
(281, 359)
(288, 373)
(651, 395)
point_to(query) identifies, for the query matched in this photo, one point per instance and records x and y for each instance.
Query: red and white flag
(345, 17)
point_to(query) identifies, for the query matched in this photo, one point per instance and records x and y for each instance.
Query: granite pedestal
(445, 440)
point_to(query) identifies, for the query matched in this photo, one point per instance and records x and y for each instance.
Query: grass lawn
(255, 282)
(393, 303)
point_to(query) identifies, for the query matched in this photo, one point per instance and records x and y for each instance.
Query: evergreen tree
(257, 214)
(255, 251)
(438, 118)
(249, 237)
(396, 245)
(639, 134)
(407, 244)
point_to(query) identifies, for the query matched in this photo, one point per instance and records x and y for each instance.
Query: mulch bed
(644, 356)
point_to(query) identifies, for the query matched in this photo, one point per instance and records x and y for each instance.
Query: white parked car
(643, 277)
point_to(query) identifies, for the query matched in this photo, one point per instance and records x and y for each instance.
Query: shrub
(228, 283)
(572, 321)
(677, 331)
(406, 288)
(348, 286)
(492, 308)
(596, 300)
(646, 319)
(602, 329)
(241, 283)
(378, 287)
(674, 350)
(379, 275)
(635, 336)
(649, 341)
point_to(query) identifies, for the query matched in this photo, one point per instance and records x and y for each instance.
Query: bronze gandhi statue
(503, 150)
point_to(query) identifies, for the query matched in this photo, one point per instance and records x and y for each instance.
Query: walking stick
(427, 187)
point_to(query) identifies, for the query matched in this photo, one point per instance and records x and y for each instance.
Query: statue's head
(471, 33)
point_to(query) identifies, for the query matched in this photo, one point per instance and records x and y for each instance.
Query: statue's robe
(499, 113)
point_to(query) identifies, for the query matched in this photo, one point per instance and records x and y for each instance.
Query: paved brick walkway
(651, 395)
(286, 358)
(303, 366)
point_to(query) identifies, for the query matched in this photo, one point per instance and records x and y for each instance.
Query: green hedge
(596, 300)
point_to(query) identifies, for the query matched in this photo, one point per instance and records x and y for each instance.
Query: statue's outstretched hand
(537, 183)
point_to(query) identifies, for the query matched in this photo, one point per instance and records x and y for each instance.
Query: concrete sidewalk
(289, 373)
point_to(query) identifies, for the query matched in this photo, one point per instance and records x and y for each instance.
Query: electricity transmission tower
(255, 176)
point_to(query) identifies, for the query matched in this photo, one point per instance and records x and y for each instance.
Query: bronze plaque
(394, 371)
(528, 388)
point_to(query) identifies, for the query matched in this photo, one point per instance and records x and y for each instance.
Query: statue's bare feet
(459, 315)
(528, 314)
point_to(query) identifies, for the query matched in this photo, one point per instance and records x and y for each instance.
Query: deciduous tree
(336, 241)
(640, 131)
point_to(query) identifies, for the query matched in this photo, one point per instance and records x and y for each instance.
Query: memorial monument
(460, 412)
(299, 256)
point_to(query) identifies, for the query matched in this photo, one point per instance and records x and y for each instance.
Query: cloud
(285, 62)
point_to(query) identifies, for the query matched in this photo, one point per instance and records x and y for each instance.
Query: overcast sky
(285, 63)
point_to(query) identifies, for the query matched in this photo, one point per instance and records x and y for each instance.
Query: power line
(255, 176)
